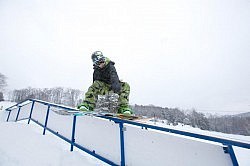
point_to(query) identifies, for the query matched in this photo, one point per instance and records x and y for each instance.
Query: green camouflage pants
(101, 88)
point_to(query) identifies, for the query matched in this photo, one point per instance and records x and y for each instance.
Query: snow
(23, 145)
(3, 106)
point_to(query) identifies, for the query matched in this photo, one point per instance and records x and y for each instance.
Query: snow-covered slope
(3, 106)
(22, 144)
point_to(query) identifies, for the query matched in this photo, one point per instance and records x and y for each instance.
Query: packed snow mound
(6, 104)
(3, 106)
(32, 148)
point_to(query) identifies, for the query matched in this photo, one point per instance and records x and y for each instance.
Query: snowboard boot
(85, 107)
(125, 110)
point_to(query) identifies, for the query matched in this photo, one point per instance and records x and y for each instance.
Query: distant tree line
(226, 124)
(173, 116)
(230, 124)
(58, 95)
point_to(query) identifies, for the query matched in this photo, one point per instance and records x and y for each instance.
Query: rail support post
(122, 144)
(31, 110)
(46, 120)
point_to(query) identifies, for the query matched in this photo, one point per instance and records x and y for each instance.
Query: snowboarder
(106, 80)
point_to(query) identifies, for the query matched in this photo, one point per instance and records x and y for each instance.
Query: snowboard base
(127, 117)
(64, 111)
(120, 116)
(94, 113)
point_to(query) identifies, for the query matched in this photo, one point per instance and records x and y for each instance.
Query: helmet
(97, 57)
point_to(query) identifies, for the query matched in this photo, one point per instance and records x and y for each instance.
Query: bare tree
(198, 120)
(3, 82)
(72, 96)
(230, 124)
(58, 95)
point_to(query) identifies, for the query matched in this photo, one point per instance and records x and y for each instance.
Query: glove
(114, 97)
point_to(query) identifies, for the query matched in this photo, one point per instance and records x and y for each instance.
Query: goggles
(97, 63)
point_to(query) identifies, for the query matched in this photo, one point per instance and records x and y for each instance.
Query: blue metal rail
(226, 142)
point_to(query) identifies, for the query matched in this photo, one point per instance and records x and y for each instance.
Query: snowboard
(106, 105)
(127, 117)
(119, 116)
(65, 112)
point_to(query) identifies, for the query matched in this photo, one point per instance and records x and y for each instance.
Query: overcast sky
(173, 53)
